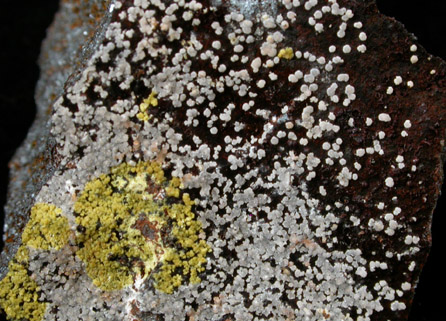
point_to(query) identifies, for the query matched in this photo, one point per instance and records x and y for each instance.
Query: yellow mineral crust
(144, 106)
(286, 53)
(19, 293)
(47, 228)
(125, 221)
(126, 229)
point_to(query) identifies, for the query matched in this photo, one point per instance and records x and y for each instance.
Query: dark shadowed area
(426, 20)
(23, 26)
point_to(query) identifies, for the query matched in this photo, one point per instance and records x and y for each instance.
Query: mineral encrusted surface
(225, 160)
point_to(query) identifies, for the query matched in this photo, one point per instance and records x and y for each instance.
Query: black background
(23, 25)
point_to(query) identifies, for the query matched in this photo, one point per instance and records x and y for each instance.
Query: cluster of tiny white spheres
(290, 251)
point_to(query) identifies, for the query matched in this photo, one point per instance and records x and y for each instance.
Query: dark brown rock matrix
(226, 160)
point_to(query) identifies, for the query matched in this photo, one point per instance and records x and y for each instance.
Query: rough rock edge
(36, 159)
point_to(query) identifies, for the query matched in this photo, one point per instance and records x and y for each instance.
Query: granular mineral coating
(216, 160)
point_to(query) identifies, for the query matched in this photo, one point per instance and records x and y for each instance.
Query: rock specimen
(225, 160)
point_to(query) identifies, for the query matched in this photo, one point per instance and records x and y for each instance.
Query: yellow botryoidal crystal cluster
(127, 228)
(47, 228)
(143, 108)
(130, 223)
(19, 293)
(191, 256)
(286, 53)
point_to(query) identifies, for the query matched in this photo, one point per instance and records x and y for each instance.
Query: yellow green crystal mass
(19, 293)
(131, 223)
(126, 228)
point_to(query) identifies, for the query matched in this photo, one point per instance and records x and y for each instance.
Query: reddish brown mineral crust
(314, 169)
